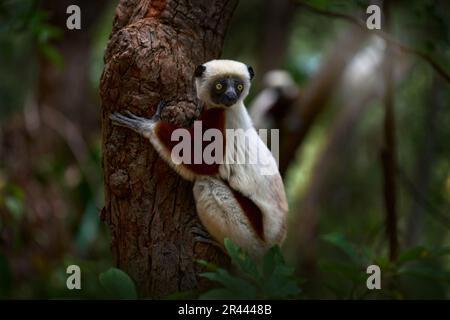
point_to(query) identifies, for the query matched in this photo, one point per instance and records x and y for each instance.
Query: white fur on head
(219, 68)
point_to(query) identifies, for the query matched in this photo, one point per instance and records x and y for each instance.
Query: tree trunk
(426, 158)
(277, 29)
(151, 55)
(315, 96)
(388, 152)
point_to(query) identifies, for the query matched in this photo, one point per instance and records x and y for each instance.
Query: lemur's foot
(131, 121)
(200, 235)
(159, 108)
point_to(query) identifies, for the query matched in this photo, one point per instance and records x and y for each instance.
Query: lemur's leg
(223, 217)
(200, 235)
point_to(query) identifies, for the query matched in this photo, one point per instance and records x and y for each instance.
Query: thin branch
(385, 36)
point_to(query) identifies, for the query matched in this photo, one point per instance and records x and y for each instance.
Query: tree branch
(385, 36)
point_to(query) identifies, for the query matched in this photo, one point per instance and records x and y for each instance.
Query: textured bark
(151, 55)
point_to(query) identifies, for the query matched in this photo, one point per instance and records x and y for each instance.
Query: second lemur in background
(272, 105)
(233, 200)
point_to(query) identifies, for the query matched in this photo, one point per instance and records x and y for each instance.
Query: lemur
(233, 200)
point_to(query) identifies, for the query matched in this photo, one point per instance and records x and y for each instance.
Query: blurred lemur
(233, 200)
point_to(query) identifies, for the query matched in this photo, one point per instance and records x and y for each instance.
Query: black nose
(230, 97)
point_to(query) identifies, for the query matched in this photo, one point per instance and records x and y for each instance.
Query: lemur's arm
(143, 126)
(159, 133)
(152, 130)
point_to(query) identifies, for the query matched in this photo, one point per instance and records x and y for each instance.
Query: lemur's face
(222, 83)
(226, 91)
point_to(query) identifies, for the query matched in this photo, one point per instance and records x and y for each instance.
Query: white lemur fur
(222, 192)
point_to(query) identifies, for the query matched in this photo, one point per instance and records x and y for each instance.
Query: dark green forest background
(353, 193)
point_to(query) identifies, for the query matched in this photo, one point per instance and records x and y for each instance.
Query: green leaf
(346, 270)
(281, 283)
(278, 280)
(217, 294)
(241, 288)
(443, 251)
(118, 284)
(272, 258)
(412, 254)
(46, 32)
(14, 201)
(319, 4)
(15, 206)
(52, 54)
(427, 273)
(339, 241)
(88, 228)
(241, 259)
(210, 266)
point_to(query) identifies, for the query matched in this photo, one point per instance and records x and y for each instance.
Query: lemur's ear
(251, 72)
(199, 71)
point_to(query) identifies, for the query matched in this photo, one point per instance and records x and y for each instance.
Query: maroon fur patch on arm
(211, 119)
(252, 212)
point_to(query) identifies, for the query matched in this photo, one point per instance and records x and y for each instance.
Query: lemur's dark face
(227, 90)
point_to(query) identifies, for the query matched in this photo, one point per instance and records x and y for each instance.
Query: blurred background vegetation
(332, 119)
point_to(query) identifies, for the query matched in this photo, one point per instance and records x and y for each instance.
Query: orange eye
(240, 87)
(219, 86)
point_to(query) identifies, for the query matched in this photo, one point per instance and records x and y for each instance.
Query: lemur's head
(222, 83)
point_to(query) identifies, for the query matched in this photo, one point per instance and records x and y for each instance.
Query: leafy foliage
(118, 284)
(272, 279)
(418, 262)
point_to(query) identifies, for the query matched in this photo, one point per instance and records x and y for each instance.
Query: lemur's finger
(161, 105)
(116, 118)
(159, 108)
(133, 116)
(121, 120)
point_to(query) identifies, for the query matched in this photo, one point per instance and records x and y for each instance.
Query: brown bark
(151, 55)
